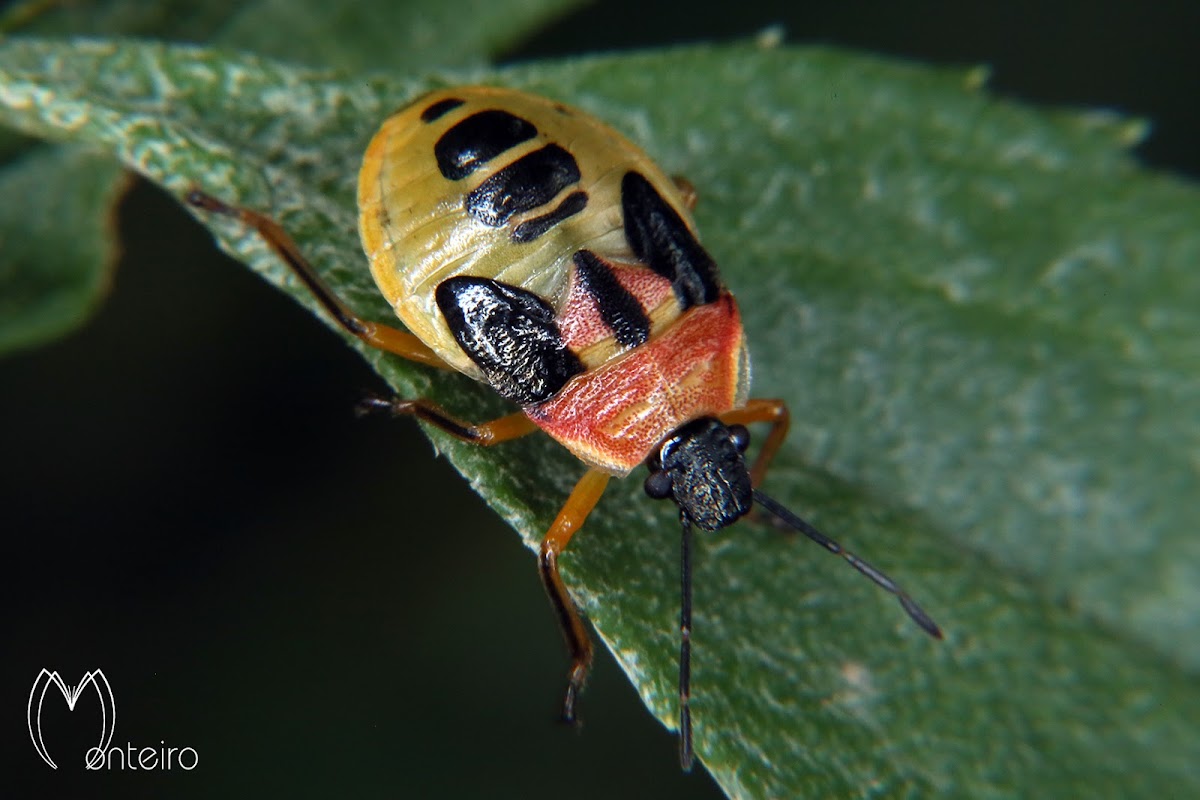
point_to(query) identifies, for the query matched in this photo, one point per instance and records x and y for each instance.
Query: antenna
(685, 646)
(879, 578)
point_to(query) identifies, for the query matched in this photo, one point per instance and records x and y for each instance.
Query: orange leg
(383, 337)
(583, 499)
(486, 434)
(772, 411)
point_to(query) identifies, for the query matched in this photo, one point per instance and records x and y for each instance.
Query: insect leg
(486, 434)
(772, 411)
(383, 337)
(583, 499)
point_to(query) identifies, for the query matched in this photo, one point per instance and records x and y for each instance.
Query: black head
(701, 467)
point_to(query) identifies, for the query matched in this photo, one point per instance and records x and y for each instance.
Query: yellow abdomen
(419, 227)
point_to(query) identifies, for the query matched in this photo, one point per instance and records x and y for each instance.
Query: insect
(534, 248)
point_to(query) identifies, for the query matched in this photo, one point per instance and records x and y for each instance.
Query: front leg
(583, 499)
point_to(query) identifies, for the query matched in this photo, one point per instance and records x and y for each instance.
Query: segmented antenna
(879, 578)
(685, 647)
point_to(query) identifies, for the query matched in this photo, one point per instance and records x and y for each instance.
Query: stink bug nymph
(534, 248)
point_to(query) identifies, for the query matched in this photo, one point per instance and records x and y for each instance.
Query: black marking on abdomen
(476, 140)
(619, 309)
(440, 108)
(531, 229)
(658, 236)
(531, 181)
(511, 335)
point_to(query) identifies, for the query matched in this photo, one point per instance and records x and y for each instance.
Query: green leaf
(54, 284)
(51, 283)
(377, 35)
(168, 18)
(984, 320)
(43, 297)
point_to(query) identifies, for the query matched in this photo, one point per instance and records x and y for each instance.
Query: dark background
(314, 602)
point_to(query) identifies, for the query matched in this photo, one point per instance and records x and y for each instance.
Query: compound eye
(740, 437)
(658, 485)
